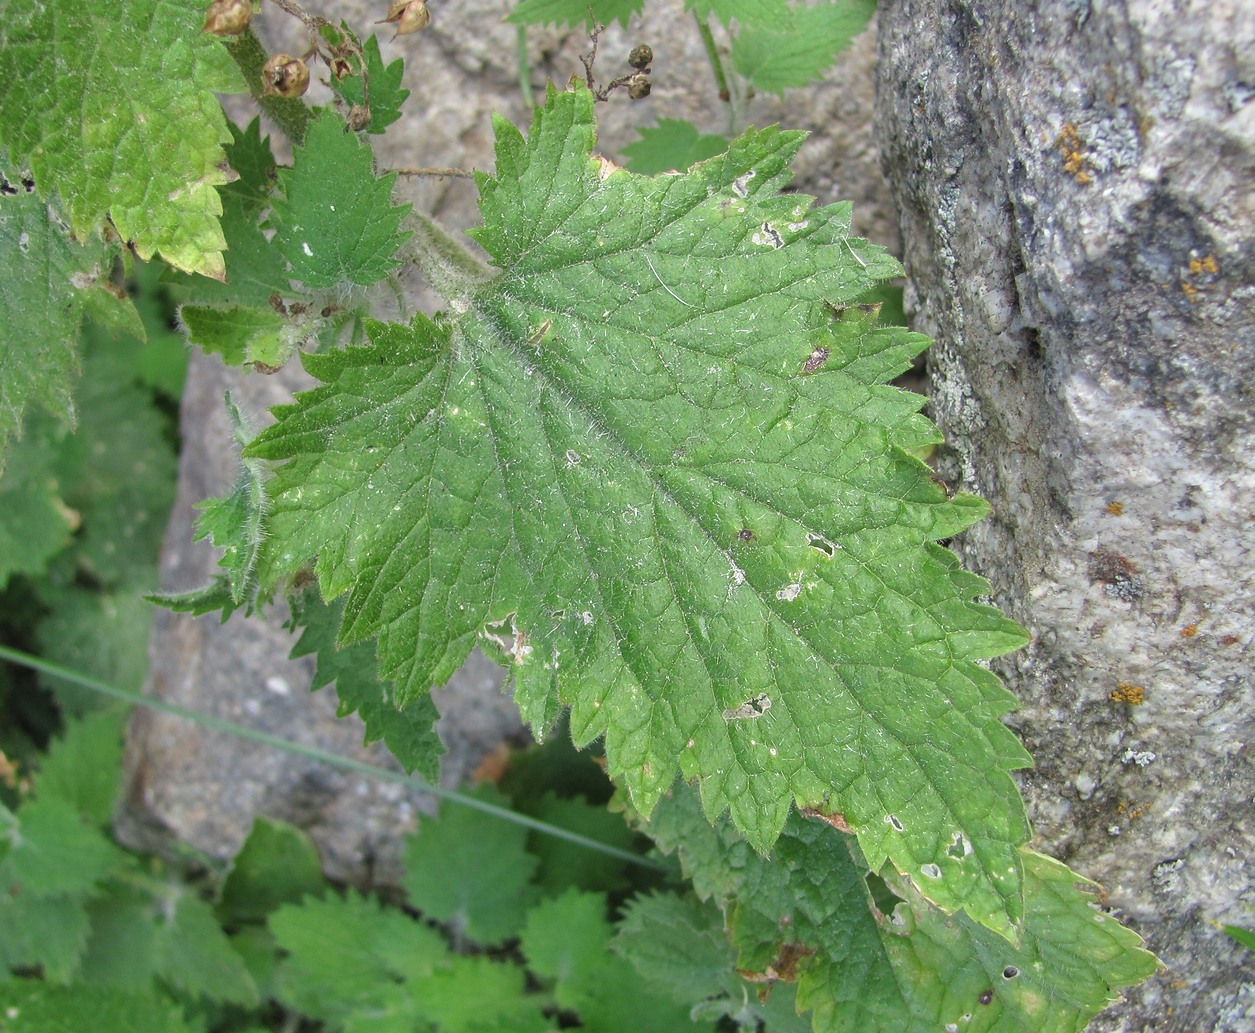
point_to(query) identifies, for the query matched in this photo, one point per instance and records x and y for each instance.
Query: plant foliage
(648, 457)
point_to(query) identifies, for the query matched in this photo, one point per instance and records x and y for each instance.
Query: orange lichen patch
(1132, 813)
(1189, 631)
(493, 766)
(8, 771)
(1208, 265)
(1127, 692)
(1072, 147)
(1115, 508)
(1190, 291)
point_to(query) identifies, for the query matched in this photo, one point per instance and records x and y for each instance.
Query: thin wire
(326, 756)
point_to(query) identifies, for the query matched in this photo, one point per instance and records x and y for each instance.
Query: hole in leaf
(816, 541)
(882, 896)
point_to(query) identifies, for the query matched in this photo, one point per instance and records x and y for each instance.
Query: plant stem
(525, 69)
(712, 54)
(290, 115)
(219, 724)
(434, 171)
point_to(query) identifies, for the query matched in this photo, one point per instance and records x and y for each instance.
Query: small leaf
(352, 955)
(239, 334)
(234, 522)
(471, 870)
(54, 853)
(336, 223)
(278, 864)
(194, 955)
(566, 939)
(772, 13)
(573, 13)
(386, 94)
(113, 104)
(776, 59)
(83, 767)
(671, 144)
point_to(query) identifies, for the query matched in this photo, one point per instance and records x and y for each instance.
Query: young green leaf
(90, 93)
(351, 955)
(902, 966)
(471, 870)
(336, 223)
(671, 144)
(776, 58)
(83, 766)
(572, 13)
(566, 940)
(278, 864)
(653, 463)
(410, 733)
(386, 94)
(234, 522)
(195, 956)
(775, 13)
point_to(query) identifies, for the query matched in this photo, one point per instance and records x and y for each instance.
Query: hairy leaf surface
(653, 465)
(113, 105)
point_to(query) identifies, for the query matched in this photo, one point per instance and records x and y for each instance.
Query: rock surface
(1075, 190)
(204, 788)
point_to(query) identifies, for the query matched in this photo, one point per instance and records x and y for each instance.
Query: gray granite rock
(1075, 188)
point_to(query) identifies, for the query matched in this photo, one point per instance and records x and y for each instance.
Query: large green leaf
(652, 464)
(113, 105)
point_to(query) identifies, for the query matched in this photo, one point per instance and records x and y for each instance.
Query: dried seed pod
(284, 76)
(228, 17)
(408, 16)
(641, 57)
(638, 86)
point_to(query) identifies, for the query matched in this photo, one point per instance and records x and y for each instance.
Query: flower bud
(641, 57)
(284, 76)
(228, 17)
(408, 16)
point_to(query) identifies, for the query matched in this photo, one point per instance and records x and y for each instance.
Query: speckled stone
(1075, 189)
